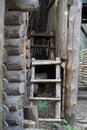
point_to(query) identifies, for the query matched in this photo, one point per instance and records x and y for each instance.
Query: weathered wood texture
(24, 5)
(16, 127)
(5, 125)
(16, 76)
(16, 88)
(15, 31)
(2, 8)
(14, 102)
(4, 70)
(73, 60)
(5, 55)
(29, 124)
(5, 84)
(15, 118)
(15, 46)
(61, 28)
(14, 18)
(31, 113)
(5, 112)
(16, 62)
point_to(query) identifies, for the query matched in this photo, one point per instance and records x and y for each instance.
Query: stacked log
(83, 68)
(85, 65)
(15, 70)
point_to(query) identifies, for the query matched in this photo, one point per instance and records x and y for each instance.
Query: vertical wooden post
(61, 28)
(32, 85)
(2, 6)
(73, 61)
(58, 92)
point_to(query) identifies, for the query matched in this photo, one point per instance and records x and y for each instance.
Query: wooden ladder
(57, 82)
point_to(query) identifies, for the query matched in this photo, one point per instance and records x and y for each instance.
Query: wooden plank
(2, 8)
(45, 62)
(73, 61)
(46, 81)
(49, 120)
(44, 99)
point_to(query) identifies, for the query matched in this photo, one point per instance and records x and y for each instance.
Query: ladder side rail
(32, 84)
(58, 92)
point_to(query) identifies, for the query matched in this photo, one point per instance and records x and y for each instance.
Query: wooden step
(46, 81)
(49, 120)
(44, 99)
(45, 62)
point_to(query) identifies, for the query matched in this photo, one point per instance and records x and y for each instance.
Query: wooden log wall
(14, 69)
(83, 68)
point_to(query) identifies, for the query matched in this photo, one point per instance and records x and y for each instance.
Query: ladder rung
(49, 120)
(46, 81)
(43, 98)
(42, 35)
(45, 62)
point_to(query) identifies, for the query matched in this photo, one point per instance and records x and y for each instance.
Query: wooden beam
(2, 6)
(73, 61)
